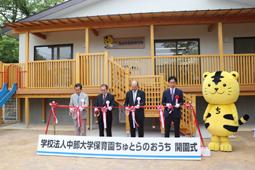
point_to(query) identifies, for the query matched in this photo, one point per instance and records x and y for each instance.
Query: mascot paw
(214, 146)
(226, 147)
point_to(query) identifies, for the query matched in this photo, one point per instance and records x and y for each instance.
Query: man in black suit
(136, 98)
(172, 99)
(105, 100)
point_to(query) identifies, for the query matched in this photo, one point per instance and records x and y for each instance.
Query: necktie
(78, 100)
(134, 96)
(172, 94)
(104, 97)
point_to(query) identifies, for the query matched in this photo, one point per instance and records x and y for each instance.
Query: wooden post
(1, 116)
(106, 68)
(193, 126)
(27, 115)
(19, 109)
(220, 44)
(87, 40)
(77, 68)
(126, 90)
(43, 116)
(152, 48)
(27, 47)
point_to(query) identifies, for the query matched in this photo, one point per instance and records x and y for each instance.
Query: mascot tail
(243, 119)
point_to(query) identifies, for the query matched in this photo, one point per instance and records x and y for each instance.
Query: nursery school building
(115, 42)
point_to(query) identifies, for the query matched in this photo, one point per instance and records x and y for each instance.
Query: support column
(87, 45)
(152, 51)
(43, 116)
(220, 45)
(27, 114)
(106, 68)
(77, 68)
(19, 110)
(27, 58)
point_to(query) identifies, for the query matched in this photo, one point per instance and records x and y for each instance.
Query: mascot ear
(235, 74)
(205, 74)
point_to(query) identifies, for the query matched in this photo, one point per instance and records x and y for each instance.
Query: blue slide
(5, 94)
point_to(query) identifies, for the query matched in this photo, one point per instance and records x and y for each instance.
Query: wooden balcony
(189, 68)
(93, 69)
(55, 79)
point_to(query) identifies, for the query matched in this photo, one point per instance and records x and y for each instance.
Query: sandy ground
(18, 151)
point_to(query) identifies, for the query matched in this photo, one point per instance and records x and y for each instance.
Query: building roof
(93, 12)
(83, 8)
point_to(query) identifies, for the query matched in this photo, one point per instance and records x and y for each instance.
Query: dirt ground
(18, 151)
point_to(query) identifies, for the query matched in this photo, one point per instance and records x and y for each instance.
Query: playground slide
(5, 94)
(4, 90)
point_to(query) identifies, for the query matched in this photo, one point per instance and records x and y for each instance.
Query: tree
(12, 11)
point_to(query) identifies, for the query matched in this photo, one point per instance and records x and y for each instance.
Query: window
(244, 45)
(177, 47)
(53, 52)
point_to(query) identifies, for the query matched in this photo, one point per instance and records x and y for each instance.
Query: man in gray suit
(79, 99)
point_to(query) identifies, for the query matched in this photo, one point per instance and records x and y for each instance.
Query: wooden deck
(56, 79)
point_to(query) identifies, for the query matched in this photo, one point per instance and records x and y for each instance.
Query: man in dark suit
(136, 98)
(172, 99)
(105, 100)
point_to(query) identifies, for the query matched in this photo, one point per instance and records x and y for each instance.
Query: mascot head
(221, 87)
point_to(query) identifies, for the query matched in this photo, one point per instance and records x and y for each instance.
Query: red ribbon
(161, 116)
(104, 110)
(52, 113)
(189, 106)
(132, 109)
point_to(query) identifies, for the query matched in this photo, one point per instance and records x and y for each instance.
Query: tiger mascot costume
(221, 91)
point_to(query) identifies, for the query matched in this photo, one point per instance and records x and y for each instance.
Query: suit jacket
(167, 98)
(129, 100)
(76, 100)
(99, 102)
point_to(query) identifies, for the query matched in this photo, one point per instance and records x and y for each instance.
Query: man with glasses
(103, 110)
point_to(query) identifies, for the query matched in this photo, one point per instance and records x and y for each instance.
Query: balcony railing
(94, 69)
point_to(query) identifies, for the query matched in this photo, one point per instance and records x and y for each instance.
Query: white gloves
(81, 109)
(137, 106)
(169, 105)
(110, 108)
(96, 109)
(177, 105)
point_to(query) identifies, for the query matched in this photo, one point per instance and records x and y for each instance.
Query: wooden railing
(189, 68)
(93, 68)
(11, 73)
(51, 74)
(153, 85)
(137, 65)
(118, 79)
(1, 74)
(187, 124)
(244, 64)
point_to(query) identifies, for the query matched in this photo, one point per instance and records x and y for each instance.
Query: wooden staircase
(153, 85)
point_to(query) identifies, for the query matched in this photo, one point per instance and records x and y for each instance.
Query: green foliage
(13, 10)
(9, 50)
